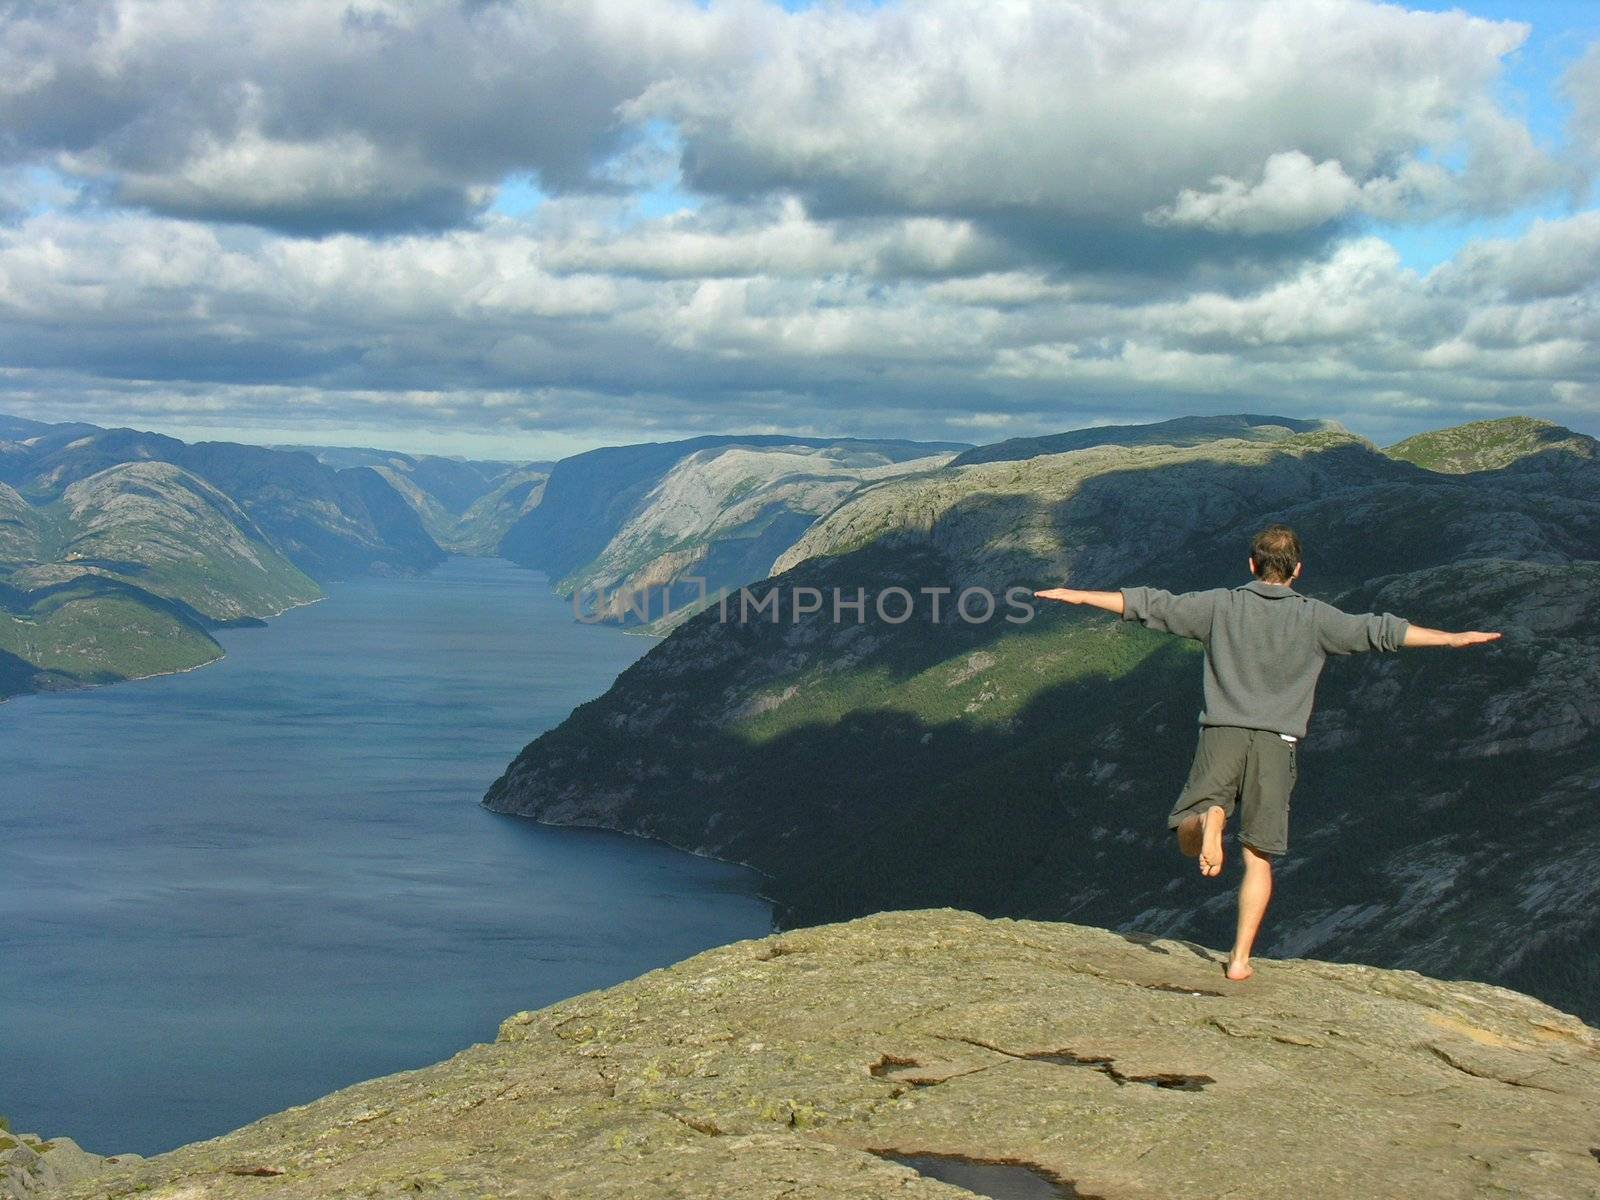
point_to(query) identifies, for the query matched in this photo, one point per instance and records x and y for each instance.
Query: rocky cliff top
(819, 1062)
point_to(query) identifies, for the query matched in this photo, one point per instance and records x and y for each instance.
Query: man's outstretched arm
(1187, 614)
(1420, 635)
(1350, 633)
(1110, 601)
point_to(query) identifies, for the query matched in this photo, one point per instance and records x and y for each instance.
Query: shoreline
(646, 837)
(222, 654)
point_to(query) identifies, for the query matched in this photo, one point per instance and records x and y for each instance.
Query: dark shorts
(1252, 771)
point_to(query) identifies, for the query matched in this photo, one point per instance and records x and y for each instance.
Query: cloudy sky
(526, 229)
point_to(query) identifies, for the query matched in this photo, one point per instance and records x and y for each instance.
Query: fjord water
(237, 889)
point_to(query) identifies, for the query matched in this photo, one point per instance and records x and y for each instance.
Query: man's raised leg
(1254, 894)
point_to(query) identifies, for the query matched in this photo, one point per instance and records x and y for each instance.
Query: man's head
(1275, 555)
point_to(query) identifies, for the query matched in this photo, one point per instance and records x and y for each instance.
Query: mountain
(466, 506)
(484, 523)
(125, 572)
(120, 550)
(1179, 431)
(1023, 767)
(1009, 1058)
(330, 523)
(162, 529)
(1491, 445)
(640, 522)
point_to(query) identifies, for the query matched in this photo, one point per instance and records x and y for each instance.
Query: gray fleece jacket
(1265, 646)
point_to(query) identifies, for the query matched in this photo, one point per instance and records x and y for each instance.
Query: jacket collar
(1275, 591)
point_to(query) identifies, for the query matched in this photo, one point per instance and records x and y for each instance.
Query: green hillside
(120, 549)
(93, 629)
(330, 523)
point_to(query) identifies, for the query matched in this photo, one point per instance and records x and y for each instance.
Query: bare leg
(1254, 894)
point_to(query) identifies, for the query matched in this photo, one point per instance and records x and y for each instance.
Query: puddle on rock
(997, 1180)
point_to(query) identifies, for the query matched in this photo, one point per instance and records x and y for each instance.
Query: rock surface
(31, 1165)
(1115, 1066)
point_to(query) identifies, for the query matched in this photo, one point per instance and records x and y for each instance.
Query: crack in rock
(1106, 1065)
(902, 1070)
(1467, 1068)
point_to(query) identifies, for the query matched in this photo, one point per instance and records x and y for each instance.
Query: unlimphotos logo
(780, 603)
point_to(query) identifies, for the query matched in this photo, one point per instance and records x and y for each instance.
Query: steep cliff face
(877, 1057)
(723, 516)
(1445, 818)
(625, 521)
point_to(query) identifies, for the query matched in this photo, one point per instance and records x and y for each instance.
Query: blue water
(236, 889)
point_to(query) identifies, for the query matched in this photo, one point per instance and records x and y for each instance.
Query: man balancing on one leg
(1265, 647)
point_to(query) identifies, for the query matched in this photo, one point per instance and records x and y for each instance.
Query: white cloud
(1293, 193)
(478, 328)
(310, 115)
(1102, 111)
(409, 107)
(932, 218)
(1553, 258)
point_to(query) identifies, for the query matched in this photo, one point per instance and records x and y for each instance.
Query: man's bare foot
(1189, 835)
(1211, 840)
(1239, 969)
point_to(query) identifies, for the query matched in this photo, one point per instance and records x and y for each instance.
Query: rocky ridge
(31, 1165)
(1179, 431)
(723, 516)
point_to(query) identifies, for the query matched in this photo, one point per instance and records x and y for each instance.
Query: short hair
(1275, 551)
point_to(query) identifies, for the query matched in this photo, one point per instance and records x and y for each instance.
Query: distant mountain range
(465, 506)
(120, 550)
(1446, 817)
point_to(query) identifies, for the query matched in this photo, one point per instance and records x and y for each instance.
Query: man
(1265, 647)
